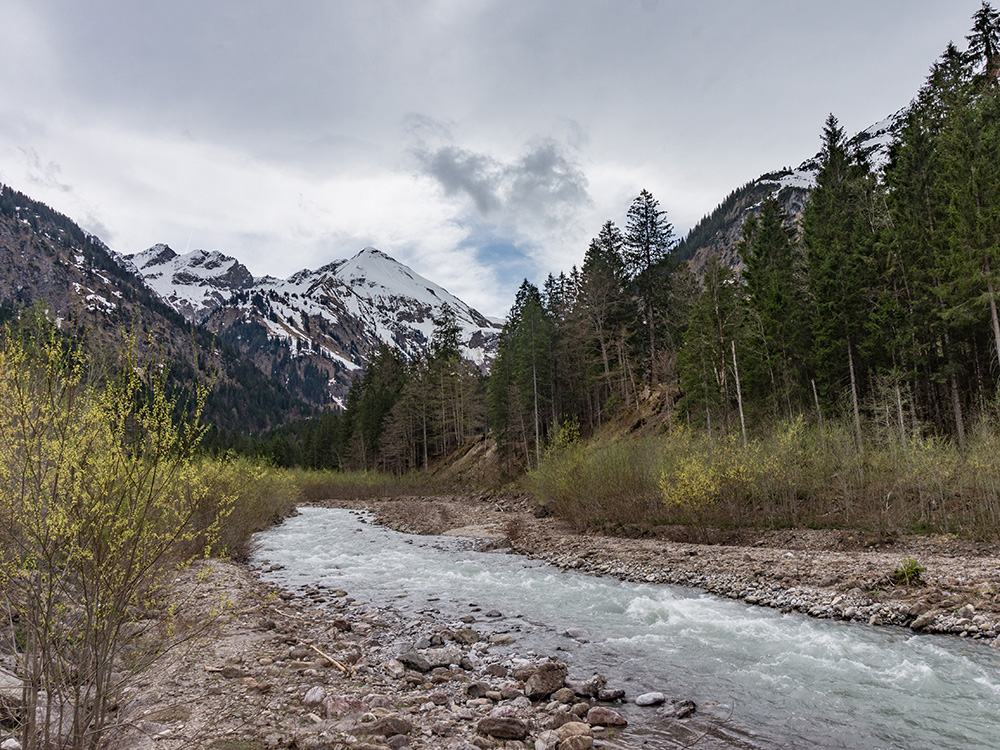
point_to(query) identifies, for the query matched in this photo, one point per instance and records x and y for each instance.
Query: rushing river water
(771, 680)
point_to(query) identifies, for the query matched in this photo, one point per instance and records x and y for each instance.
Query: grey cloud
(45, 174)
(544, 177)
(461, 171)
(543, 184)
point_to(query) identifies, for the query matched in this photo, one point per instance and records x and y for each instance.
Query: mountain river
(761, 679)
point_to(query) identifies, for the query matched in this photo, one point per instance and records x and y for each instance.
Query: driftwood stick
(346, 670)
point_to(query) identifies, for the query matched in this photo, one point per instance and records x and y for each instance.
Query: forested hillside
(878, 307)
(49, 261)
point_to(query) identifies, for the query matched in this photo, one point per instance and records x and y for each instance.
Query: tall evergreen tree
(777, 320)
(649, 239)
(984, 43)
(838, 234)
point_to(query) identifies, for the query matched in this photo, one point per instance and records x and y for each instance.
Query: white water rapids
(770, 680)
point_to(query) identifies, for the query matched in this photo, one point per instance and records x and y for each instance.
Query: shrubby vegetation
(800, 475)
(101, 499)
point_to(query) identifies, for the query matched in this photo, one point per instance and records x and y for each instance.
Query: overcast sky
(478, 142)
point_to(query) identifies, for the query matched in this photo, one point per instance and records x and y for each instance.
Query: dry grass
(797, 475)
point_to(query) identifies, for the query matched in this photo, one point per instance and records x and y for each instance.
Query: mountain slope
(46, 258)
(194, 283)
(720, 231)
(317, 329)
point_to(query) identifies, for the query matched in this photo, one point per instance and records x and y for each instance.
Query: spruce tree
(649, 239)
(984, 43)
(838, 236)
(777, 319)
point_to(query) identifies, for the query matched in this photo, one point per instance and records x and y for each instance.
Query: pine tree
(649, 239)
(777, 319)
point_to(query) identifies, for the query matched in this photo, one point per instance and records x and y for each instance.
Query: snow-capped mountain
(720, 231)
(194, 283)
(316, 329)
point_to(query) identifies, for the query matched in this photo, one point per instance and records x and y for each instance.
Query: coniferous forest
(876, 306)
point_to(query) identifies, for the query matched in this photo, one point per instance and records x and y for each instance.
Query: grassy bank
(796, 475)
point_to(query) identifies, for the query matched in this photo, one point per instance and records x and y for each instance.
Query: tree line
(878, 304)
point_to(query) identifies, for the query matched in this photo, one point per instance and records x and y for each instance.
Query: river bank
(318, 669)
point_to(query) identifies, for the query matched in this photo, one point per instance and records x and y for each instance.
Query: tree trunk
(854, 395)
(993, 310)
(739, 396)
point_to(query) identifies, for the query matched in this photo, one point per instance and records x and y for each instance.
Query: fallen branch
(345, 669)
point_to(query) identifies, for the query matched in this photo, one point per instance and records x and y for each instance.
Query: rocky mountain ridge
(315, 330)
(720, 231)
(81, 286)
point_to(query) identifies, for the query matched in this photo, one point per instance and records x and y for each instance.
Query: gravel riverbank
(318, 669)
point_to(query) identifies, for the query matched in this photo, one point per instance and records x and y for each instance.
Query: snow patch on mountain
(332, 318)
(194, 283)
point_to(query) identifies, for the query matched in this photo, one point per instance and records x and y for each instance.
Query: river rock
(924, 620)
(503, 727)
(477, 689)
(577, 743)
(574, 729)
(502, 639)
(588, 688)
(443, 657)
(612, 695)
(468, 636)
(577, 634)
(314, 696)
(547, 740)
(395, 669)
(678, 709)
(605, 717)
(651, 699)
(548, 678)
(564, 695)
(391, 725)
(413, 660)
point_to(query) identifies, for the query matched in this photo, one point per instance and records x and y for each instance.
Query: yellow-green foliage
(793, 474)
(321, 486)
(239, 497)
(98, 497)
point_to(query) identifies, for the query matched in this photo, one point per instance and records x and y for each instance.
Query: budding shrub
(97, 505)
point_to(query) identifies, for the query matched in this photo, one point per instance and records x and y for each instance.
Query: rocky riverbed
(318, 669)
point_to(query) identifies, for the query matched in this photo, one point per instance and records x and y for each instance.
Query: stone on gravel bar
(574, 729)
(546, 680)
(391, 725)
(650, 699)
(413, 660)
(605, 717)
(503, 727)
